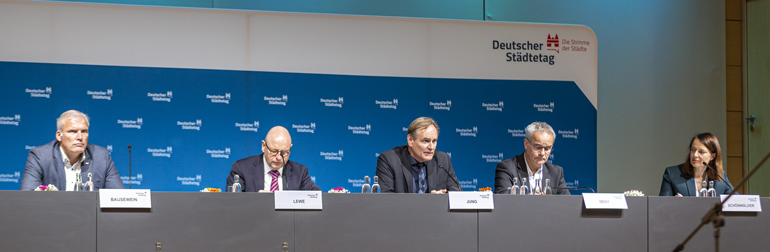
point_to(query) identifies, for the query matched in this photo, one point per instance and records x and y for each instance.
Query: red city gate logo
(553, 42)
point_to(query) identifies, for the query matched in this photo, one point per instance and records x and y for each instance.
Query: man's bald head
(277, 141)
(277, 135)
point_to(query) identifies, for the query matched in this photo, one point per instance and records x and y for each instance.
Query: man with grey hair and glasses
(59, 162)
(532, 165)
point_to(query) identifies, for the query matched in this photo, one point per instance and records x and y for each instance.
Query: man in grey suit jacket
(533, 163)
(58, 162)
(281, 173)
(417, 167)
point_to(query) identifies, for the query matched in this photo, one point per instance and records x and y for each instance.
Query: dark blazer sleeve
(111, 177)
(306, 183)
(385, 172)
(667, 186)
(727, 181)
(33, 171)
(237, 169)
(562, 182)
(504, 176)
(445, 162)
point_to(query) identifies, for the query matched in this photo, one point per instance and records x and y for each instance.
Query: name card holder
(471, 200)
(125, 198)
(605, 201)
(741, 203)
(299, 200)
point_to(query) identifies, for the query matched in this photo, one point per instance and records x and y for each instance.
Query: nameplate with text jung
(471, 200)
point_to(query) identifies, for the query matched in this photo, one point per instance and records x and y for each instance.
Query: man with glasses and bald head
(533, 163)
(272, 170)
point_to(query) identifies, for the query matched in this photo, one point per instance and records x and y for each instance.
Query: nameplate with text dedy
(125, 198)
(299, 200)
(605, 201)
(741, 203)
(471, 200)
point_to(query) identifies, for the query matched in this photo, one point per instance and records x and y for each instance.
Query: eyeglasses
(276, 152)
(539, 148)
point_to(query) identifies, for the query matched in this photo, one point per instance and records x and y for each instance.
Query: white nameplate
(125, 198)
(471, 200)
(299, 200)
(605, 201)
(741, 203)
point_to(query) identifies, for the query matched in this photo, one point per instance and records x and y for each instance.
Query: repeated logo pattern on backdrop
(187, 126)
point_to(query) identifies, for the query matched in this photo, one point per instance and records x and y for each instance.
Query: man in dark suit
(417, 167)
(272, 170)
(533, 163)
(59, 162)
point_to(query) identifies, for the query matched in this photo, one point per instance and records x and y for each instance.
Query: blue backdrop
(187, 126)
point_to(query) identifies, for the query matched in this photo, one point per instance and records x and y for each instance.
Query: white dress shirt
(534, 177)
(70, 170)
(269, 178)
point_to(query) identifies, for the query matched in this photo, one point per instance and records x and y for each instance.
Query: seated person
(417, 167)
(685, 179)
(272, 170)
(58, 162)
(533, 163)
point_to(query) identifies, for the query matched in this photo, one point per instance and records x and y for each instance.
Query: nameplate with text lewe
(299, 200)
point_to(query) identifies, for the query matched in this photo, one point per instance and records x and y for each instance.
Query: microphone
(715, 172)
(286, 182)
(578, 188)
(453, 177)
(129, 166)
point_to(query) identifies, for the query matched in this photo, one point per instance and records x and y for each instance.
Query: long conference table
(193, 221)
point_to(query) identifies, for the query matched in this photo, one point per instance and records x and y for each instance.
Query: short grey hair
(421, 123)
(69, 114)
(538, 126)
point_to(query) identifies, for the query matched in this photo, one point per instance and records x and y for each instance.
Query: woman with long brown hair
(685, 179)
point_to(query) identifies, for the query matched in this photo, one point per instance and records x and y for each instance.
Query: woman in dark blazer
(685, 179)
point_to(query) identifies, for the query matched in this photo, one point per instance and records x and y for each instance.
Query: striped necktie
(274, 182)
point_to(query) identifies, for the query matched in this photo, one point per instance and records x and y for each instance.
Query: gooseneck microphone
(715, 172)
(286, 184)
(453, 178)
(129, 166)
(578, 188)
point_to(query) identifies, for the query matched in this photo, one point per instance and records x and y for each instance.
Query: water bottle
(547, 190)
(515, 188)
(285, 247)
(524, 190)
(711, 192)
(365, 188)
(703, 191)
(90, 183)
(78, 182)
(157, 247)
(376, 185)
(236, 187)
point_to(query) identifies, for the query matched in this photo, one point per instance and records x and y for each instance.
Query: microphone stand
(129, 166)
(714, 215)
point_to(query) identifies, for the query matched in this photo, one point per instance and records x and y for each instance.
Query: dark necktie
(423, 185)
